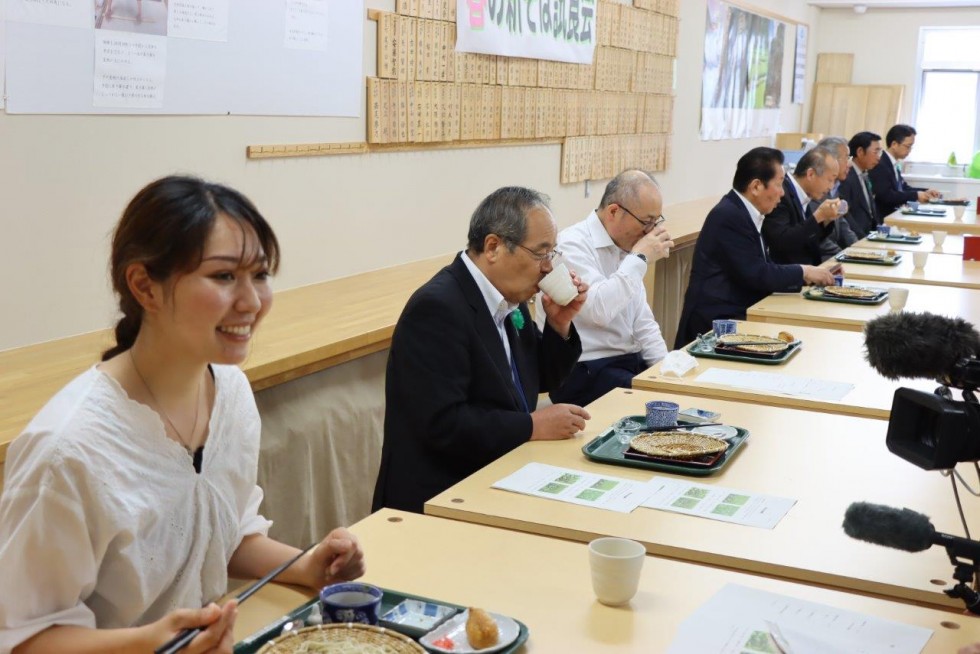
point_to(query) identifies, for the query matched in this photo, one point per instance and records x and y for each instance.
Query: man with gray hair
(611, 250)
(841, 235)
(467, 362)
(792, 231)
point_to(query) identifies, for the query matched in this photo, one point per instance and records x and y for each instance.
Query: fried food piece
(785, 336)
(481, 629)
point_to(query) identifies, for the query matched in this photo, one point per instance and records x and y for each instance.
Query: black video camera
(930, 430)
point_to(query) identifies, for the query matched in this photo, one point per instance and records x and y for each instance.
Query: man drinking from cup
(611, 250)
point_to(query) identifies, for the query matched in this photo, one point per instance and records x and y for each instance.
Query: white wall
(65, 179)
(885, 43)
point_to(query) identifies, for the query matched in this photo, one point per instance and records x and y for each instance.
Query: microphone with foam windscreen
(919, 344)
(903, 529)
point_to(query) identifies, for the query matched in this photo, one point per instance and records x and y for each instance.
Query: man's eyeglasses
(541, 256)
(650, 223)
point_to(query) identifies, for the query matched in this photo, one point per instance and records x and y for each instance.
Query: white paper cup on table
(897, 297)
(558, 285)
(616, 565)
(919, 260)
(958, 211)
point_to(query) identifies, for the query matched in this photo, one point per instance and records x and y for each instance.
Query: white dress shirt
(615, 318)
(104, 521)
(800, 193)
(757, 219)
(498, 306)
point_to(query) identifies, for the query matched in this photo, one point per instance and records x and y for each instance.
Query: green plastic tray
(816, 294)
(875, 236)
(705, 348)
(927, 214)
(893, 260)
(392, 598)
(606, 448)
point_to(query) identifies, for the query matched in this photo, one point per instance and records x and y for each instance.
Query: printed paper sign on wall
(559, 30)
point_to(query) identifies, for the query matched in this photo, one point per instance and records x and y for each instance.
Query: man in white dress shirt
(610, 250)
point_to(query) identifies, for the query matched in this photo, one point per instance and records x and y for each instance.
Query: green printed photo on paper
(605, 484)
(568, 478)
(725, 509)
(685, 503)
(589, 495)
(736, 499)
(699, 493)
(553, 488)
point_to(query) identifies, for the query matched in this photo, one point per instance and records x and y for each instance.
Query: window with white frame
(948, 94)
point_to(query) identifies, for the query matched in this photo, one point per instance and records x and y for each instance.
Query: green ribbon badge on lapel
(517, 318)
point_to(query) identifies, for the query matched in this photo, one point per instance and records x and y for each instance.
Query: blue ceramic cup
(722, 327)
(661, 414)
(351, 602)
(884, 230)
(838, 280)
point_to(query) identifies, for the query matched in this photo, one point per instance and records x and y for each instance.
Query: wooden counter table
(825, 462)
(940, 270)
(794, 309)
(826, 354)
(952, 244)
(947, 223)
(545, 583)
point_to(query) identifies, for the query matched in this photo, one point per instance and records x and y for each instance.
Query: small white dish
(724, 432)
(455, 630)
(416, 617)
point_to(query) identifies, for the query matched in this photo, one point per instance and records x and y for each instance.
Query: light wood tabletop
(826, 354)
(824, 462)
(794, 309)
(924, 224)
(940, 270)
(545, 583)
(952, 244)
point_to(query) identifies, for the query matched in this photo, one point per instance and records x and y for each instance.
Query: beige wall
(885, 42)
(65, 179)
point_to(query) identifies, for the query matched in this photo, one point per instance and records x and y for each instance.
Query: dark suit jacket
(730, 273)
(791, 232)
(891, 189)
(862, 218)
(452, 406)
(841, 235)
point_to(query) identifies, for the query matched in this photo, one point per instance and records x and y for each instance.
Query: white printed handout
(564, 485)
(739, 620)
(130, 70)
(63, 13)
(717, 503)
(206, 20)
(306, 25)
(3, 50)
(771, 382)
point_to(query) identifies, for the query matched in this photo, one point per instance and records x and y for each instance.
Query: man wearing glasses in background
(611, 250)
(467, 362)
(891, 189)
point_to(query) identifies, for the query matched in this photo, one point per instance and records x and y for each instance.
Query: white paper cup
(919, 260)
(616, 565)
(938, 236)
(958, 211)
(558, 285)
(897, 297)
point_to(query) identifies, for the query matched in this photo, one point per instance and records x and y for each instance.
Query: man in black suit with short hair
(793, 231)
(891, 189)
(732, 269)
(467, 362)
(857, 187)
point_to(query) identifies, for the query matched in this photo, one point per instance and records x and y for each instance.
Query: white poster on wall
(306, 25)
(799, 65)
(536, 29)
(130, 70)
(198, 19)
(63, 13)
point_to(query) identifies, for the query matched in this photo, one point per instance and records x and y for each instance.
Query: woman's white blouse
(104, 521)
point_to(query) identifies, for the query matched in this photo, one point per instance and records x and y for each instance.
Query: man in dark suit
(793, 231)
(467, 362)
(732, 269)
(841, 235)
(891, 189)
(857, 188)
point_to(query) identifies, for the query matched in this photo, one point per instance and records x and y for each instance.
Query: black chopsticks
(184, 638)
